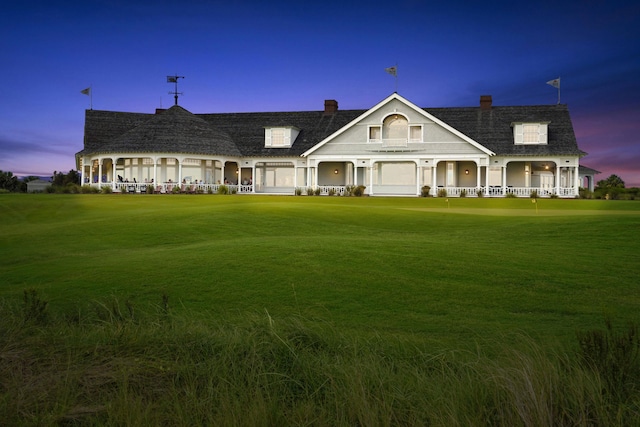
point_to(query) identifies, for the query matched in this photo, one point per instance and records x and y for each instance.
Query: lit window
(530, 133)
(280, 137)
(277, 137)
(395, 127)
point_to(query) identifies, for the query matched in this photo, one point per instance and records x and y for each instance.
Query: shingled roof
(177, 130)
(493, 128)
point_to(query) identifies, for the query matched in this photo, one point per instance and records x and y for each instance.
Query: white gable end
(396, 125)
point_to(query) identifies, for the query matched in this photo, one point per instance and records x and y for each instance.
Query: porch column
(179, 171)
(315, 176)
(371, 178)
(253, 177)
(295, 178)
(99, 173)
(82, 172)
(504, 179)
(418, 170)
(113, 176)
(434, 179)
(478, 172)
(355, 172)
(558, 169)
(576, 180)
(155, 172)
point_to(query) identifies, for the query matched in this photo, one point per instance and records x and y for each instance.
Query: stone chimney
(330, 106)
(485, 102)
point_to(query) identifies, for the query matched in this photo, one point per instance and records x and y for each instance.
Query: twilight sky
(240, 56)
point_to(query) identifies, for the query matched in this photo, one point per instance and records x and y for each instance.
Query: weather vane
(174, 79)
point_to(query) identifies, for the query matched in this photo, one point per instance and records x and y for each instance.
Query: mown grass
(312, 310)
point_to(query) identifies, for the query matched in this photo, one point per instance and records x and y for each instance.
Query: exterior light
(335, 171)
(466, 171)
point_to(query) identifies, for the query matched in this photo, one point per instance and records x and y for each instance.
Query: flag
(392, 70)
(172, 79)
(86, 91)
(555, 83)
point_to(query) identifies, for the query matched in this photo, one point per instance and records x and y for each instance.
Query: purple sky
(292, 55)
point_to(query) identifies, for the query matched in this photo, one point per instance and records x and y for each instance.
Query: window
(395, 127)
(415, 133)
(530, 133)
(374, 133)
(282, 137)
(277, 137)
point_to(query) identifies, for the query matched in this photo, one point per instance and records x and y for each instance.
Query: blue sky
(292, 55)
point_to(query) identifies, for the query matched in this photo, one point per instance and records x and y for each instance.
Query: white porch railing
(338, 190)
(498, 191)
(168, 187)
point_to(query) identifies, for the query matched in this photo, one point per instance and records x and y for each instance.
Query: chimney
(330, 106)
(160, 110)
(485, 102)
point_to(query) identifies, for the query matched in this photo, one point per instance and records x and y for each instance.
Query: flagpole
(558, 90)
(91, 97)
(395, 75)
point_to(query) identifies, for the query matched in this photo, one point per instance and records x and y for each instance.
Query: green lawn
(317, 311)
(449, 270)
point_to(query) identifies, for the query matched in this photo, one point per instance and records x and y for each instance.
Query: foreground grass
(118, 366)
(312, 310)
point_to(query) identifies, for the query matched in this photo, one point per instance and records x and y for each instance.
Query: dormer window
(281, 137)
(530, 133)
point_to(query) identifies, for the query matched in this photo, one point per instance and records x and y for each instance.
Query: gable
(397, 125)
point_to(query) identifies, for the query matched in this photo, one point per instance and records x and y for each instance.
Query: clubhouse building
(395, 148)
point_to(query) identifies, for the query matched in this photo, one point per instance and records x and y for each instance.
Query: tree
(60, 179)
(610, 188)
(614, 181)
(8, 181)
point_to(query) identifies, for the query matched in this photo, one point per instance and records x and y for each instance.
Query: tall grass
(119, 366)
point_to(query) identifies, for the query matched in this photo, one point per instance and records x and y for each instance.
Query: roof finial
(174, 79)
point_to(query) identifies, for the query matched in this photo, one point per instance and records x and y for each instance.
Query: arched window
(395, 127)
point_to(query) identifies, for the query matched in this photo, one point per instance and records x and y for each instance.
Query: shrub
(585, 193)
(332, 192)
(480, 193)
(309, 191)
(442, 192)
(463, 193)
(210, 190)
(106, 190)
(223, 189)
(425, 191)
(348, 190)
(175, 189)
(317, 191)
(298, 191)
(533, 194)
(87, 189)
(510, 196)
(554, 196)
(359, 191)
(150, 189)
